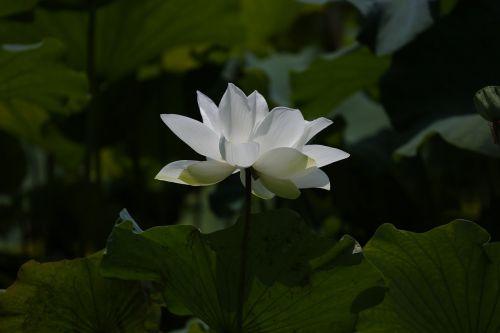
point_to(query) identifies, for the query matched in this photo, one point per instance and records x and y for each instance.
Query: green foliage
(328, 81)
(296, 281)
(71, 296)
(278, 68)
(260, 19)
(130, 33)
(36, 74)
(469, 132)
(444, 280)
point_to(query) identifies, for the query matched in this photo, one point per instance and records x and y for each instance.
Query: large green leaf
(296, 281)
(444, 280)
(329, 81)
(36, 74)
(71, 296)
(130, 33)
(469, 132)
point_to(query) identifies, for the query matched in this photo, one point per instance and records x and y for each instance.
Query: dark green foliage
(296, 280)
(445, 280)
(71, 296)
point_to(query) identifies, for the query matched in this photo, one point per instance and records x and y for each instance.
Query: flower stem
(244, 246)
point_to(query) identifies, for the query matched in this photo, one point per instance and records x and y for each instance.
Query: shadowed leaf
(444, 280)
(296, 281)
(71, 296)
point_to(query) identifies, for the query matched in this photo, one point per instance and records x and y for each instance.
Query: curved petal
(311, 129)
(284, 188)
(172, 171)
(258, 189)
(196, 173)
(258, 106)
(241, 155)
(324, 155)
(209, 112)
(315, 178)
(283, 163)
(235, 118)
(196, 135)
(206, 172)
(282, 127)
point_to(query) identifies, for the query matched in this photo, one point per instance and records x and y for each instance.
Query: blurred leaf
(36, 74)
(9, 7)
(260, 18)
(30, 123)
(469, 132)
(435, 76)
(130, 33)
(444, 280)
(71, 296)
(328, 81)
(278, 67)
(364, 118)
(296, 281)
(390, 24)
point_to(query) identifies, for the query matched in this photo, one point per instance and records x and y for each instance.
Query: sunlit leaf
(328, 81)
(469, 132)
(444, 280)
(71, 296)
(296, 281)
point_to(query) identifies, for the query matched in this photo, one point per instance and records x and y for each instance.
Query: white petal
(206, 172)
(284, 188)
(196, 135)
(209, 112)
(312, 128)
(235, 117)
(258, 106)
(283, 162)
(258, 188)
(324, 155)
(315, 178)
(172, 171)
(196, 173)
(282, 127)
(241, 155)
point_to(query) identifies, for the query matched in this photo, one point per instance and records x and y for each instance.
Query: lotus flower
(242, 135)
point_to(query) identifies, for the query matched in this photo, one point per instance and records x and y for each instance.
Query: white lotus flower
(241, 135)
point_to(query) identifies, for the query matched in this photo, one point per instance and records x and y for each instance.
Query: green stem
(244, 246)
(91, 153)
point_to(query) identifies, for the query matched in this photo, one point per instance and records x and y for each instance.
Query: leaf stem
(92, 152)
(244, 246)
